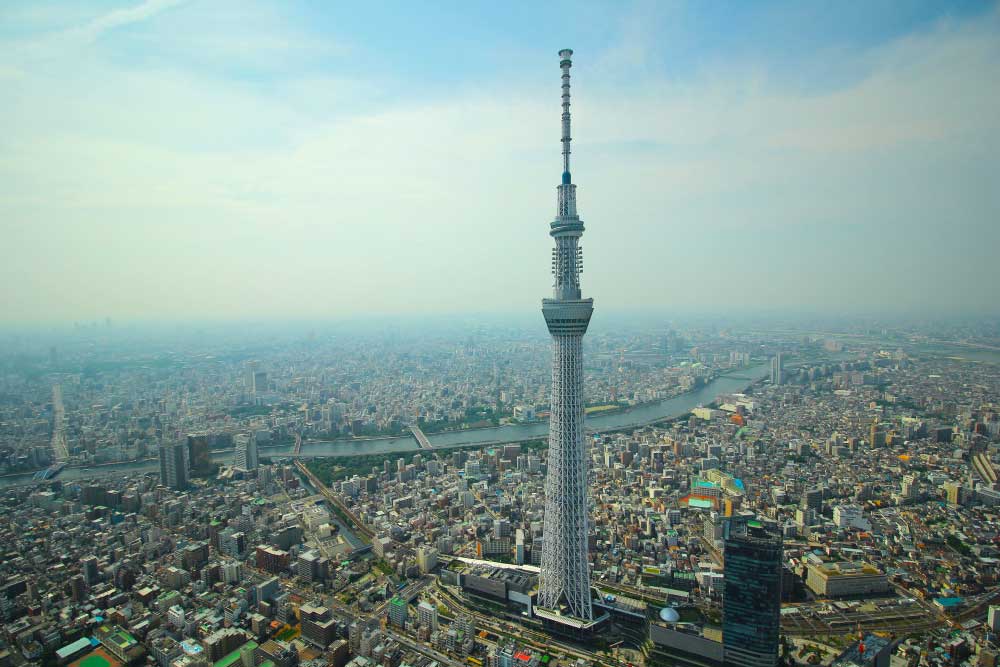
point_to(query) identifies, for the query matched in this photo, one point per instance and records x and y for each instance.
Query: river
(646, 413)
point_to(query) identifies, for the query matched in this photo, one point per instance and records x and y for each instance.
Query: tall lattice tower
(565, 577)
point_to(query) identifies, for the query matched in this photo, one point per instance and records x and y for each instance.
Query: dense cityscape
(764, 480)
(871, 452)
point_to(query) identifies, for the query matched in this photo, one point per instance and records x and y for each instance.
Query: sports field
(95, 660)
(99, 657)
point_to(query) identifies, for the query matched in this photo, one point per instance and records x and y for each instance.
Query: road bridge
(421, 438)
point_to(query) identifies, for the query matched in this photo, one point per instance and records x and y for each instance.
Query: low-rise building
(845, 578)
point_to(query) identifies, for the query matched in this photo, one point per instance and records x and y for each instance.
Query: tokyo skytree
(564, 586)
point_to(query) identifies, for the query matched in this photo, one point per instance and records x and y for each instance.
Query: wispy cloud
(171, 189)
(52, 44)
(118, 18)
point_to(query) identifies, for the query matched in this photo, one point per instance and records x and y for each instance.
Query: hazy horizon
(173, 160)
(527, 320)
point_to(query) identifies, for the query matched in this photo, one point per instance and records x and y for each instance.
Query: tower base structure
(570, 627)
(561, 622)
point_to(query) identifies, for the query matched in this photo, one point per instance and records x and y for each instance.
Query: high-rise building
(267, 590)
(427, 615)
(251, 368)
(232, 572)
(813, 500)
(777, 369)
(88, 567)
(245, 454)
(953, 492)
(232, 542)
(222, 641)
(259, 385)
(427, 558)
(78, 589)
(564, 586)
(280, 653)
(311, 566)
(751, 612)
(879, 439)
(847, 516)
(174, 466)
(398, 612)
(199, 456)
(354, 631)
(318, 625)
(271, 559)
(464, 628)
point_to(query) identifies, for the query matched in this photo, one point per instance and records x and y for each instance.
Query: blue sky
(174, 158)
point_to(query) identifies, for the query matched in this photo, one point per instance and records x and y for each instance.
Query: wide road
(60, 449)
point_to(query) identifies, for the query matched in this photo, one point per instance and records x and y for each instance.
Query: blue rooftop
(949, 602)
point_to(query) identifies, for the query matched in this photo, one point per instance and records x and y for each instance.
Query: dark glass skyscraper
(173, 466)
(199, 456)
(752, 605)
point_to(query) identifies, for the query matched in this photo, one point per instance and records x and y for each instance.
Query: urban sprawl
(196, 506)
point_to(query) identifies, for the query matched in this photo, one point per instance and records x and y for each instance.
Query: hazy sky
(172, 159)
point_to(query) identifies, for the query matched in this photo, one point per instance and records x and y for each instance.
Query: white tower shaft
(565, 573)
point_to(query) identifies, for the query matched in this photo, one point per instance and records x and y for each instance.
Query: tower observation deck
(564, 588)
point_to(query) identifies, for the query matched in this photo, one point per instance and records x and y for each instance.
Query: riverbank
(637, 416)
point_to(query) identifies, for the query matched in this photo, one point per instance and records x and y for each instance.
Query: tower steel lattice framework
(565, 572)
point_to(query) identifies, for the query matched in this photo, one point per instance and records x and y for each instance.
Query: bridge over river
(641, 415)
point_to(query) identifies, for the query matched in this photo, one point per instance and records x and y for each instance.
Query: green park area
(337, 468)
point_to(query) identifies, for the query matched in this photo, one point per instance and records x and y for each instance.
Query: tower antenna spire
(565, 63)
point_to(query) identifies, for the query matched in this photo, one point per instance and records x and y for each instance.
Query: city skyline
(162, 170)
(427, 547)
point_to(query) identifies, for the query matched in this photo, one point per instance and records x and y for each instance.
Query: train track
(332, 498)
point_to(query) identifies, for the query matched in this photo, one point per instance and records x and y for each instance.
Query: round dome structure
(669, 615)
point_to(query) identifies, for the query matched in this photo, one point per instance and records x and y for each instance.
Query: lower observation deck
(567, 317)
